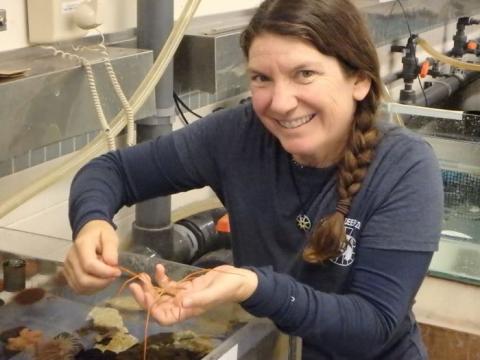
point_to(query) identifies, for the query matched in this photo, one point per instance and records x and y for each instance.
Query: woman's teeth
(292, 124)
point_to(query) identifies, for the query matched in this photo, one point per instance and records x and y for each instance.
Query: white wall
(122, 15)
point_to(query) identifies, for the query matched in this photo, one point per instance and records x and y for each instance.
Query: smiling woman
(309, 143)
(317, 90)
(303, 97)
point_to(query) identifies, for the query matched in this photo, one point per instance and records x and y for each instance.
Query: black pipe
(460, 38)
(192, 238)
(442, 89)
(202, 227)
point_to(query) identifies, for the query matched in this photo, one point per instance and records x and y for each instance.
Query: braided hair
(335, 28)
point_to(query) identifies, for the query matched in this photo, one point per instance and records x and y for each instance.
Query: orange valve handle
(472, 45)
(223, 224)
(424, 69)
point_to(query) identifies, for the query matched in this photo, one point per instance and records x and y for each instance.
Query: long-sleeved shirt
(356, 306)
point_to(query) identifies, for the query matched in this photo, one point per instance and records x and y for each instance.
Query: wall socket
(3, 19)
(55, 20)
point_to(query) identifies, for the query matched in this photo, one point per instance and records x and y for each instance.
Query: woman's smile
(295, 123)
(303, 97)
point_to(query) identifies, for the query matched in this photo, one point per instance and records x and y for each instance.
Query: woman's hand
(91, 262)
(223, 284)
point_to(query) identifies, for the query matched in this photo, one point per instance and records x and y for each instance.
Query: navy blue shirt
(356, 306)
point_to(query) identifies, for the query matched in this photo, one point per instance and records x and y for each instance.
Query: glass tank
(457, 147)
(46, 320)
(388, 22)
(459, 254)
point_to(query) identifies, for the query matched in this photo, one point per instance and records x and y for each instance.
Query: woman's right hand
(92, 261)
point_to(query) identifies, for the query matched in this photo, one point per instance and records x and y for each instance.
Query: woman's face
(303, 97)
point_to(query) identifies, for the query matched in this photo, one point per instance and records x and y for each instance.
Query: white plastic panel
(53, 20)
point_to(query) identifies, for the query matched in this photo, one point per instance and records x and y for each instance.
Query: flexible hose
(98, 105)
(123, 99)
(97, 146)
(116, 86)
(446, 59)
(93, 91)
(118, 90)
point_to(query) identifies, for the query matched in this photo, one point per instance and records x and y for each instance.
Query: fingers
(85, 285)
(92, 264)
(185, 299)
(164, 281)
(160, 275)
(91, 261)
(109, 244)
(142, 295)
(138, 294)
(164, 309)
(167, 311)
(101, 240)
(80, 281)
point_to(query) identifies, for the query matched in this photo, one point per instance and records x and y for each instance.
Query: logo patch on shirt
(348, 255)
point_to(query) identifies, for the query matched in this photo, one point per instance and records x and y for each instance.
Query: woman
(334, 215)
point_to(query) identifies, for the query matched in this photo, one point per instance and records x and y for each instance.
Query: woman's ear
(361, 86)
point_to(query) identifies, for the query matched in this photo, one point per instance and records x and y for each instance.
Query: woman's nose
(284, 98)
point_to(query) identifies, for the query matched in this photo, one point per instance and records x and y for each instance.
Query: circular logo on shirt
(348, 255)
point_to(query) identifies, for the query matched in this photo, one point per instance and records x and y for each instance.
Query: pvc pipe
(444, 88)
(152, 226)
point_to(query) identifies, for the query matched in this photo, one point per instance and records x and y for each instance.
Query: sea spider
(158, 291)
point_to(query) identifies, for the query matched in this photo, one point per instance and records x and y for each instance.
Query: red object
(424, 69)
(223, 224)
(472, 45)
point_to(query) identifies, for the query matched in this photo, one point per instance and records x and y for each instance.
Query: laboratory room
(240, 180)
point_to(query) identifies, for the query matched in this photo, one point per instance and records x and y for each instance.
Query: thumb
(109, 243)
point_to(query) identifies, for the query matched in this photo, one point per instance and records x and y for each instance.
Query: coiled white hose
(97, 146)
(93, 91)
(98, 106)
(118, 90)
(123, 99)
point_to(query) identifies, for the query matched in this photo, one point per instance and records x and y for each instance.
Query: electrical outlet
(54, 20)
(3, 19)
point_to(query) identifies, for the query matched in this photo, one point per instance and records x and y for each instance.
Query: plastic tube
(399, 120)
(98, 145)
(446, 59)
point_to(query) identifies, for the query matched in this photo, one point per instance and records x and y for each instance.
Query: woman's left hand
(223, 284)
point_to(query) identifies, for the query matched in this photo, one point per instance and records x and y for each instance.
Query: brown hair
(335, 28)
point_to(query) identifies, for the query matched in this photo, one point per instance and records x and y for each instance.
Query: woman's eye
(259, 78)
(306, 74)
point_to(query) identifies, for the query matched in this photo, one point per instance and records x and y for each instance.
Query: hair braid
(322, 23)
(329, 238)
